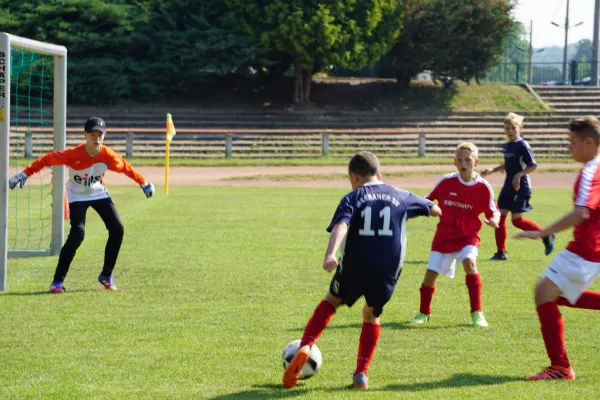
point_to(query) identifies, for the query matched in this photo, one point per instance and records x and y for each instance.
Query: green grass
(494, 97)
(384, 94)
(214, 282)
(312, 161)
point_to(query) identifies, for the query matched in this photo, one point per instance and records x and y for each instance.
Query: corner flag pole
(170, 133)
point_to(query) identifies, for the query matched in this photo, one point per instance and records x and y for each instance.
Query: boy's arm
(516, 182)
(58, 157)
(435, 211)
(335, 239)
(119, 164)
(575, 217)
(122, 166)
(488, 171)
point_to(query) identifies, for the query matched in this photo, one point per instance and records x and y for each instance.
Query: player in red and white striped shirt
(463, 196)
(565, 281)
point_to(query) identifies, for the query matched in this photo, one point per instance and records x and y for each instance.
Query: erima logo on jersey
(453, 194)
(458, 204)
(86, 180)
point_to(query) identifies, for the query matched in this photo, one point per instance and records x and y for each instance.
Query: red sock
(366, 347)
(473, 282)
(317, 323)
(553, 332)
(426, 297)
(589, 300)
(501, 234)
(526, 225)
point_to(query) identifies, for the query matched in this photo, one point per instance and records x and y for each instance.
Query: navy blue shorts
(350, 284)
(513, 201)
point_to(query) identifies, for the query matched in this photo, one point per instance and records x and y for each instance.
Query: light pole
(566, 28)
(596, 51)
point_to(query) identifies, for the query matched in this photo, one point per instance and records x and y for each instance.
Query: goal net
(32, 122)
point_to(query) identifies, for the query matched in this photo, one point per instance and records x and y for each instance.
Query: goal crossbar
(59, 53)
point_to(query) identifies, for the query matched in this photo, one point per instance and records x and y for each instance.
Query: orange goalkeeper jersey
(86, 172)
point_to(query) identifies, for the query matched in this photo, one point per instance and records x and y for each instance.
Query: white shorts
(445, 263)
(572, 274)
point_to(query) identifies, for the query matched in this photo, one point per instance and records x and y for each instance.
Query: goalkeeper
(87, 164)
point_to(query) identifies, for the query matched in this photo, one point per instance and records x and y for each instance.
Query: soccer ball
(312, 366)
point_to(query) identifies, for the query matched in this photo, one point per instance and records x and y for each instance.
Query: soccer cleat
(420, 318)
(292, 372)
(499, 256)
(107, 282)
(549, 243)
(361, 381)
(554, 372)
(57, 287)
(479, 319)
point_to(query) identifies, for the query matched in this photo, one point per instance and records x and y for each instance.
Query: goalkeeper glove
(20, 178)
(148, 189)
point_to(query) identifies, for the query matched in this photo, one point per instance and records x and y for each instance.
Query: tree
(454, 39)
(584, 51)
(97, 35)
(318, 34)
(182, 42)
(513, 67)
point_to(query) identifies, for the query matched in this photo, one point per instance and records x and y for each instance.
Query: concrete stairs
(575, 100)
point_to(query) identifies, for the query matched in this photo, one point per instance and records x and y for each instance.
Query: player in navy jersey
(514, 197)
(369, 226)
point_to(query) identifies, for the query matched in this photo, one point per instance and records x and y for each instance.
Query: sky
(542, 12)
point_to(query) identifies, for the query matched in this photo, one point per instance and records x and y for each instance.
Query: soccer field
(214, 282)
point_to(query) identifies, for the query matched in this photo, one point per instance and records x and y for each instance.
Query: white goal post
(59, 54)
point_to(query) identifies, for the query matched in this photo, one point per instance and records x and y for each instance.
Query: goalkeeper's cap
(95, 124)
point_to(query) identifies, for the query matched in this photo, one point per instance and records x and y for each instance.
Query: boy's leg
(369, 336)
(552, 324)
(501, 234)
(77, 212)
(316, 325)
(468, 256)
(320, 319)
(427, 290)
(108, 212)
(505, 199)
(527, 225)
(473, 282)
(589, 301)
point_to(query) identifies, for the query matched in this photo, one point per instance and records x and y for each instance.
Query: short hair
(468, 146)
(588, 126)
(515, 119)
(364, 163)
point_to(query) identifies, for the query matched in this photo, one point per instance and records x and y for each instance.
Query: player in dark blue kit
(369, 226)
(519, 162)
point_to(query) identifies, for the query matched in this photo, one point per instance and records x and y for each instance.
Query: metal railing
(301, 143)
(579, 73)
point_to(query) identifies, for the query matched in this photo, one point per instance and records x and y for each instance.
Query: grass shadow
(455, 381)
(408, 325)
(47, 292)
(269, 391)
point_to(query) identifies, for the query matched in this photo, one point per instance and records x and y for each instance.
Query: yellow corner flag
(170, 133)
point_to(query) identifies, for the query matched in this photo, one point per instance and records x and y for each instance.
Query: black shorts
(513, 201)
(350, 284)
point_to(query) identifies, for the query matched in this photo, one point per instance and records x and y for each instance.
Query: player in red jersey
(85, 188)
(575, 268)
(462, 196)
